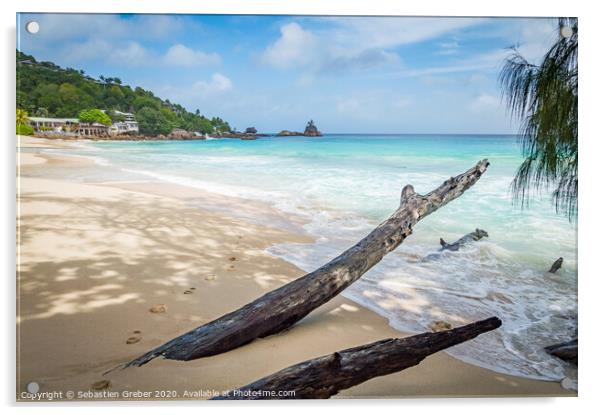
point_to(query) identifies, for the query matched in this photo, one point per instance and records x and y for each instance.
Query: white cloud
(486, 103)
(183, 56)
(353, 43)
(127, 54)
(66, 27)
(132, 54)
(388, 32)
(219, 83)
(295, 47)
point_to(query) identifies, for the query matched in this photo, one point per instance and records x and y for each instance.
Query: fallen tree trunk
(325, 376)
(473, 236)
(283, 307)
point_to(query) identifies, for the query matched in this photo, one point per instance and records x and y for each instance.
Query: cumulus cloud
(302, 48)
(296, 46)
(352, 43)
(184, 56)
(219, 83)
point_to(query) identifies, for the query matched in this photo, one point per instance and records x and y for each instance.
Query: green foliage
(544, 97)
(152, 121)
(24, 129)
(91, 116)
(45, 89)
(22, 117)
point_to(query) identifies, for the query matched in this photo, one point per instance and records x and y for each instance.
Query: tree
(91, 116)
(22, 117)
(544, 98)
(152, 122)
(23, 127)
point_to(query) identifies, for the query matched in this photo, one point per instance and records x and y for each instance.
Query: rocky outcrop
(311, 130)
(287, 133)
(251, 130)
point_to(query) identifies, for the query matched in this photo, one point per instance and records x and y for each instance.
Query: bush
(24, 129)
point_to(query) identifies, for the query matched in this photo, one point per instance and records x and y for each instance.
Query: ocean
(344, 185)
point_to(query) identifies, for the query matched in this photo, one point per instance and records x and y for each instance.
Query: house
(55, 125)
(93, 129)
(129, 125)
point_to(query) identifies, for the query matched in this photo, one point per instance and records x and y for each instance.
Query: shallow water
(346, 184)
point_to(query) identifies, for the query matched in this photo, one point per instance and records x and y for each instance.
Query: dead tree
(281, 308)
(325, 376)
(473, 236)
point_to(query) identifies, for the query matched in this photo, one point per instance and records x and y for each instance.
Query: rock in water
(311, 130)
(556, 265)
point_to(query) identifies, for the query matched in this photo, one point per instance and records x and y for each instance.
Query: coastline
(94, 253)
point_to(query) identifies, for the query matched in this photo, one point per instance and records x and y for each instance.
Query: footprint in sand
(159, 308)
(190, 291)
(232, 258)
(211, 277)
(231, 267)
(134, 339)
(101, 385)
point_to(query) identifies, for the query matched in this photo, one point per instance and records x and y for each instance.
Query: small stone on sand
(188, 292)
(232, 258)
(159, 308)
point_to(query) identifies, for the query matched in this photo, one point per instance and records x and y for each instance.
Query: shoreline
(347, 323)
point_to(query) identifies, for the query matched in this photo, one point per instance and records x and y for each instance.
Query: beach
(95, 257)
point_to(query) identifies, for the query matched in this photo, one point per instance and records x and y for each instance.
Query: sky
(348, 74)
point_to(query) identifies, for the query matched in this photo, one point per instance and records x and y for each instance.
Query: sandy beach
(95, 258)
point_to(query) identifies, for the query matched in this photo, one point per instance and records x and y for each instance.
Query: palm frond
(544, 98)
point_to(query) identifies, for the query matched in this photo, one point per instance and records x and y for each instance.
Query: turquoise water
(343, 185)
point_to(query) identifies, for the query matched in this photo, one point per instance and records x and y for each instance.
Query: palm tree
(22, 117)
(544, 98)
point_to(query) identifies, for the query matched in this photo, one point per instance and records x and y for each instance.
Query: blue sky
(349, 74)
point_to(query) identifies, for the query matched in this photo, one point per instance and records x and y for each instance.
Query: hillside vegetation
(47, 90)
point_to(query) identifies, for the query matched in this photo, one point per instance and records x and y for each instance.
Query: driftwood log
(281, 308)
(325, 376)
(556, 265)
(473, 236)
(567, 351)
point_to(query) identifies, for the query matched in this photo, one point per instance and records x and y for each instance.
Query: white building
(129, 125)
(55, 125)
